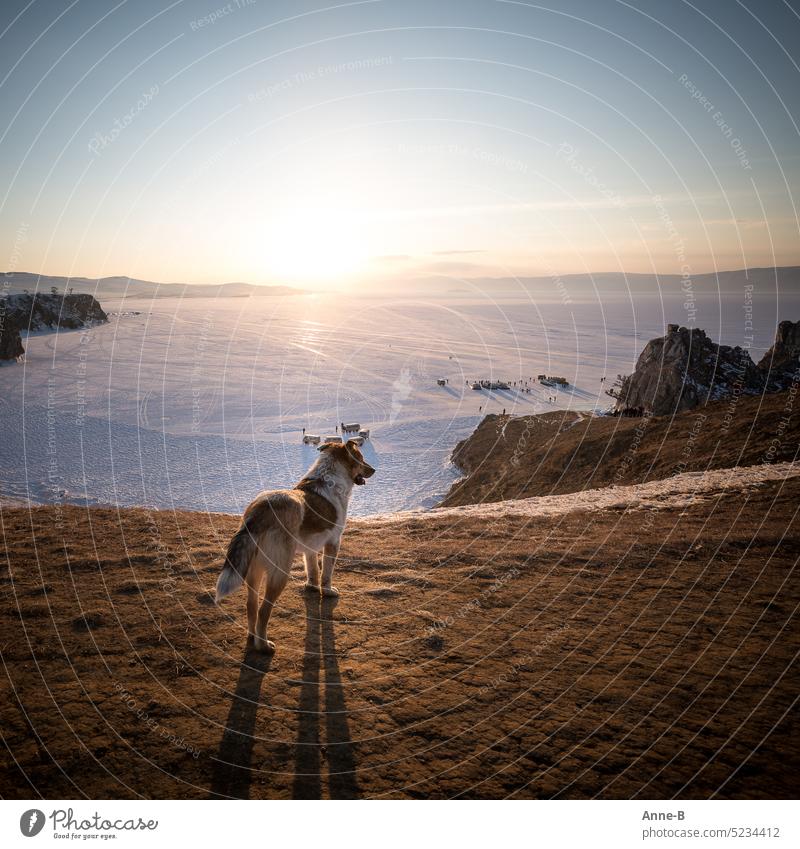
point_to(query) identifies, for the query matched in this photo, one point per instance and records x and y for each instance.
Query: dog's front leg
(328, 562)
(312, 571)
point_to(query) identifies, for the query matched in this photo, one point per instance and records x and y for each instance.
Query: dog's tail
(241, 549)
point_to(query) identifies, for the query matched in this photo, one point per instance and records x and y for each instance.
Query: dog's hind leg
(312, 571)
(328, 562)
(278, 562)
(255, 577)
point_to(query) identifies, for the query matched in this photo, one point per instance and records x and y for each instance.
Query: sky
(363, 143)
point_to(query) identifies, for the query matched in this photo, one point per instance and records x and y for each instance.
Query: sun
(314, 244)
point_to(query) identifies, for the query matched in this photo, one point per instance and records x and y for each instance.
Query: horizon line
(310, 286)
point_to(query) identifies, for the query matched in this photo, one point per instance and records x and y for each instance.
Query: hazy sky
(278, 142)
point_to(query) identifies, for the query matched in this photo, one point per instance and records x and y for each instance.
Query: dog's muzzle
(361, 479)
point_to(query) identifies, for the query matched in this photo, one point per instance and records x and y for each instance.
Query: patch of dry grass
(613, 654)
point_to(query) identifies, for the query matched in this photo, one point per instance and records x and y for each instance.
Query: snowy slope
(680, 492)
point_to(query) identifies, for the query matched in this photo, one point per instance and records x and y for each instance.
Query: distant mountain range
(783, 279)
(765, 281)
(129, 287)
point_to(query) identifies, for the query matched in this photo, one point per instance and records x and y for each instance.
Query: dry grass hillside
(562, 452)
(615, 653)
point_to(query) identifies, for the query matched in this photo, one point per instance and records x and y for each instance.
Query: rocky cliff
(685, 369)
(25, 313)
(40, 312)
(10, 340)
(781, 364)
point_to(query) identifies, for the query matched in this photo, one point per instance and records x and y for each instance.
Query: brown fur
(320, 514)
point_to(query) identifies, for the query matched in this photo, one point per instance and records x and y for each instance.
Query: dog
(278, 524)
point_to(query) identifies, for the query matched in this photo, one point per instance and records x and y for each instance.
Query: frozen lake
(199, 403)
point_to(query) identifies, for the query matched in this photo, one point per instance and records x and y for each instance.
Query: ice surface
(199, 403)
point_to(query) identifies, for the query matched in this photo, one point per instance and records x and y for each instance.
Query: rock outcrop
(26, 313)
(685, 369)
(781, 364)
(40, 312)
(10, 339)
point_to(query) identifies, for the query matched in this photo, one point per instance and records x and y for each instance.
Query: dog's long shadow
(320, 651)
(232, 769)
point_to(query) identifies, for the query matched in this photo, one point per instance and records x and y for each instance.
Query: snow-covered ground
(681, 492)
(199, 403)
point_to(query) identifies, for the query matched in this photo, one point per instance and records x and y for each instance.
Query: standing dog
(309, 518)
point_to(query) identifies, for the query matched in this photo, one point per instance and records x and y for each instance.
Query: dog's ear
(354, 450)
(326, 446)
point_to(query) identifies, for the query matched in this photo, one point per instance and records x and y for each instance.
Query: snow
(199, 403)
(681, 492)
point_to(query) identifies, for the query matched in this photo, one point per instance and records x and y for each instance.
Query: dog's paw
(330, 592)
(310, 588)
(263, 645)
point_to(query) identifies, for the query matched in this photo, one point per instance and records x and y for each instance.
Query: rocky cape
(565, 451)
(684, 369)
(30, 313)
(695, 406)
(780, 365)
